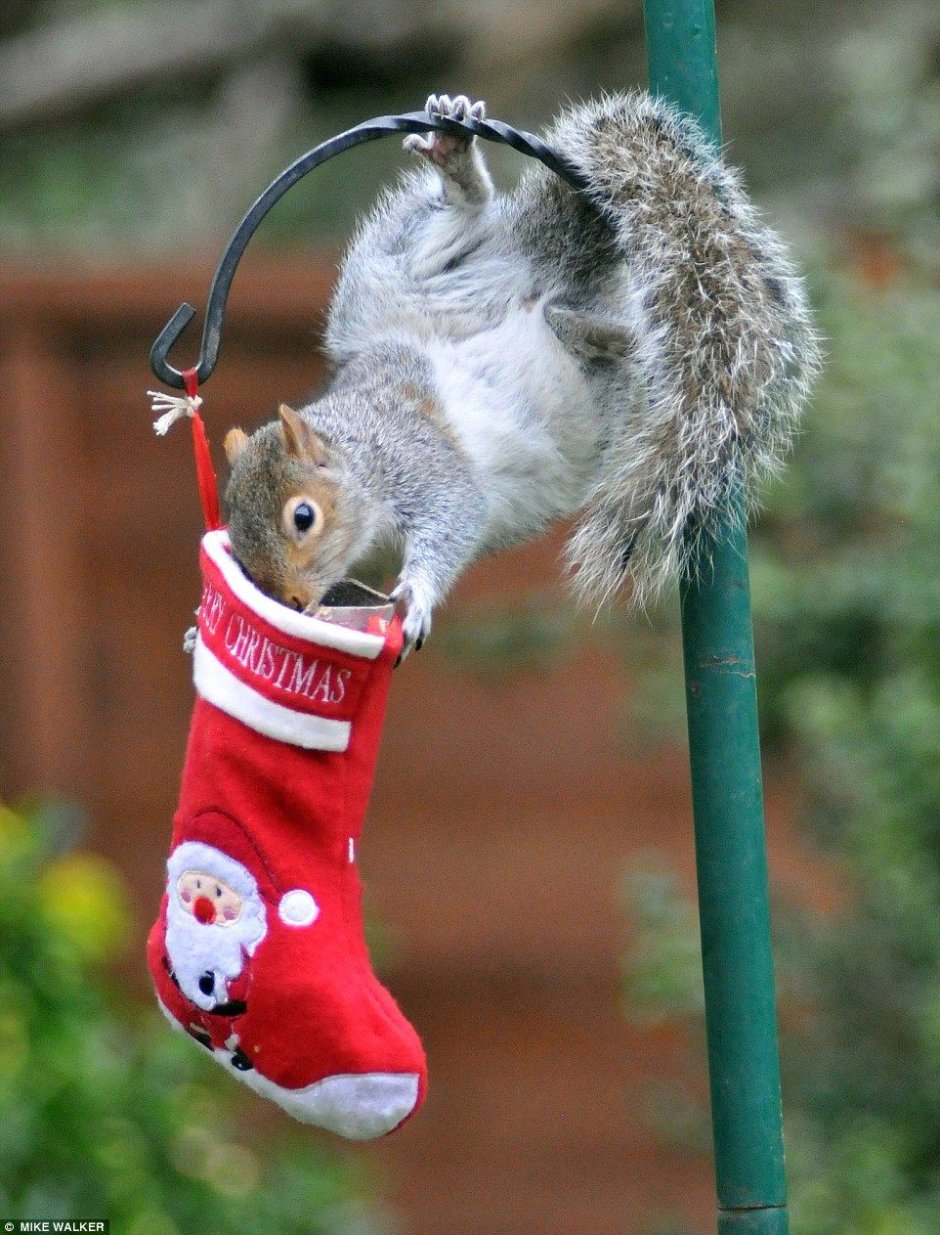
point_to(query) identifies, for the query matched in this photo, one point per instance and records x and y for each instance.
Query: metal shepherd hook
(370, 130)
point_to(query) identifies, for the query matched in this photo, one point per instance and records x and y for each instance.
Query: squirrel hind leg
(590, 336)
(457, 157)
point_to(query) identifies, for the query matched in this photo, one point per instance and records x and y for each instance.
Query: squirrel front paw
(440, 148)
(415, 609)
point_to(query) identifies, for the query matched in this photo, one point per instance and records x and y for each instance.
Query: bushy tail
(726, 351)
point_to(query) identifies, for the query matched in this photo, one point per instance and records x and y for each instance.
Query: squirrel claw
(416, 618)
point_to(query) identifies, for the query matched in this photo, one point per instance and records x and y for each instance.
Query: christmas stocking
(258, 953)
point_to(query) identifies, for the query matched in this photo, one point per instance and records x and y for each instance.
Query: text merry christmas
(307, 677)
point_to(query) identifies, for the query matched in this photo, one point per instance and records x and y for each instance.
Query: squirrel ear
(589, 335)
(300, 438)
(235, 442)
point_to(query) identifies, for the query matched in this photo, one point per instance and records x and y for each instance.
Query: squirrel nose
(207, 982)
(204, 910)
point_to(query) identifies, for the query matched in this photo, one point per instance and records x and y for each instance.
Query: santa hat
(249, 873)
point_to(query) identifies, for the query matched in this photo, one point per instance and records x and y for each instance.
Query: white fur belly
(523, 413)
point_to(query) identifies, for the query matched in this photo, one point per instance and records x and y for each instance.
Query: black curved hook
(410, 122)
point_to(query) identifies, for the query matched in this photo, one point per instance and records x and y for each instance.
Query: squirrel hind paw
(458, 108)
(446, 150)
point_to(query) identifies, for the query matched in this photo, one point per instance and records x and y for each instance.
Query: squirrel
(633, 351)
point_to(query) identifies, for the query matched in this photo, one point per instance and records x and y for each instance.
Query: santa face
(215, 920)
(211, 901)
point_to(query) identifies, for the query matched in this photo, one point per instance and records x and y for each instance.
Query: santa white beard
(197, 950)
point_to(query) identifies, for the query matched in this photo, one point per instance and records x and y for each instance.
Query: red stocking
(258, 952)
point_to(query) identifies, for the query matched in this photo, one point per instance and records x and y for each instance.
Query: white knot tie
(173, 407)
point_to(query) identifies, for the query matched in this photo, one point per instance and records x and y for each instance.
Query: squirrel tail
(725, 355)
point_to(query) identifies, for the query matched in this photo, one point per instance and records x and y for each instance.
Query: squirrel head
(285, 509)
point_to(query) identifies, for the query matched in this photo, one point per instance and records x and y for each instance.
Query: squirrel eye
(304, 517)
(301, 517)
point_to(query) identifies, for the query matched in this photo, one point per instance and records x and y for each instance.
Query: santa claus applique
(215, 918)
(258, 952)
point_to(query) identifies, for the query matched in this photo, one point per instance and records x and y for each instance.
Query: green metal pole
(727, 797)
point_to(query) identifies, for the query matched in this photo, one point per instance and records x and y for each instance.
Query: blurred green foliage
(103, 1111)
(847, 609)
(849, 612)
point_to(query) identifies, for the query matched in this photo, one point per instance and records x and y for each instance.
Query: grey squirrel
(631, 352)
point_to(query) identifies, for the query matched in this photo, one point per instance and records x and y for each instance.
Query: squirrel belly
(524, 415)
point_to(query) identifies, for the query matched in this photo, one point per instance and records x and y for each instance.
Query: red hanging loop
(205, 473)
